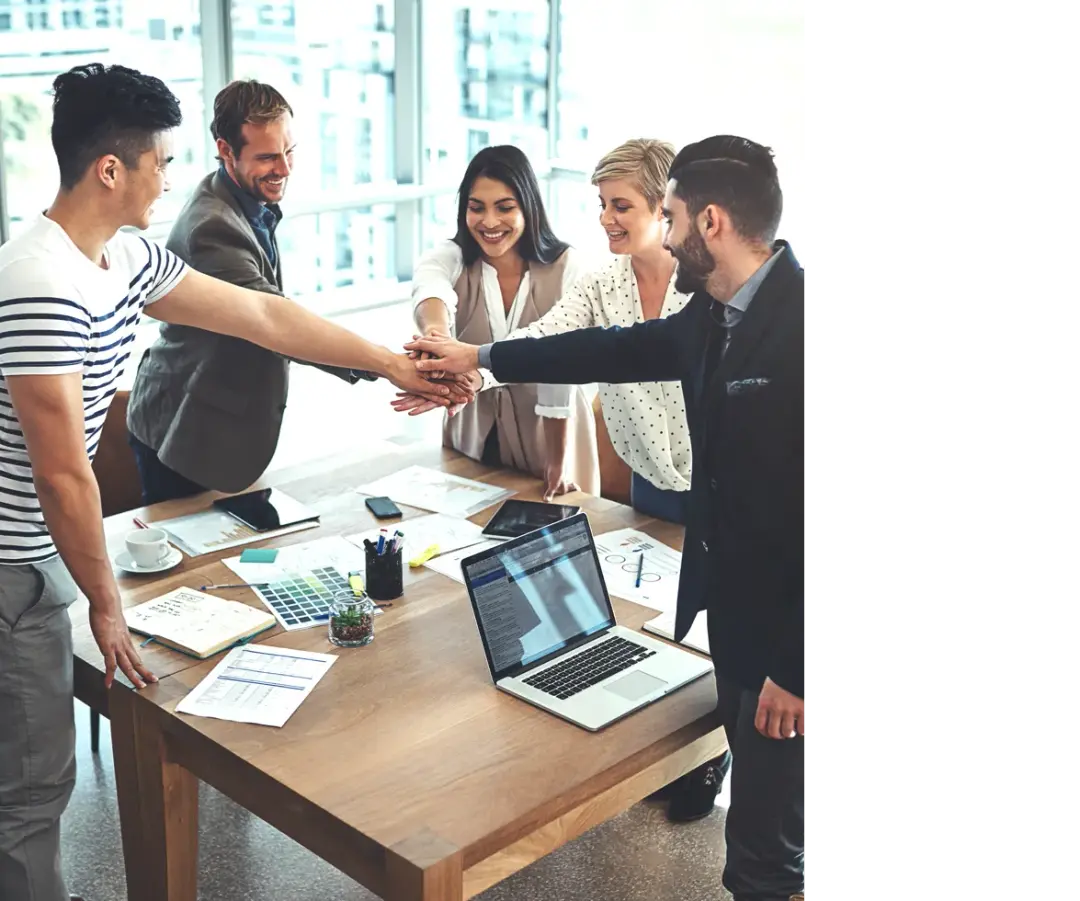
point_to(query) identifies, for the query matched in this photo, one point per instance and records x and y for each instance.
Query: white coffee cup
(148, 547)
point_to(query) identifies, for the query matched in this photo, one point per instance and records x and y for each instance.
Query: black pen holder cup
(383, 574)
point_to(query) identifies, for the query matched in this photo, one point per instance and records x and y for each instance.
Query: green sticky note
(259, 555)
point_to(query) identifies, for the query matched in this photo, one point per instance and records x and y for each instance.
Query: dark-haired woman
(504, 269)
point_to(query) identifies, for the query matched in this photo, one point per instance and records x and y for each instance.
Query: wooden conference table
(405, 768)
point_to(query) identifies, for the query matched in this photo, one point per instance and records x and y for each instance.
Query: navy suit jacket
(743, 553)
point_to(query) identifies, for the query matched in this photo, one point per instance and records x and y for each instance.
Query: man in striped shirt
(71, 291)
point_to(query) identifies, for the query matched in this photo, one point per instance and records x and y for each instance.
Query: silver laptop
(549, 632)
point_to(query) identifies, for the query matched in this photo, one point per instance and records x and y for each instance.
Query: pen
(382, 541)
(640, 564)
(139, 524)
(241, 585)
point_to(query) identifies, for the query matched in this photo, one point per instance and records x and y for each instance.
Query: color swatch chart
(303, 600)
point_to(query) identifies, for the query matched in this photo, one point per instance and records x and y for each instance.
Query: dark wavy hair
(509, 165)
(98, 110)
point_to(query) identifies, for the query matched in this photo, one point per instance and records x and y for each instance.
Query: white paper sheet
(697, 638)
(430, 489)
(450, 533)
(212, 530)
(450, 564)
(260, 685)
(619, 552)
(334, 551)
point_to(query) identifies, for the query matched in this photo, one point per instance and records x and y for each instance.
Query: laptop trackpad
(635, 685)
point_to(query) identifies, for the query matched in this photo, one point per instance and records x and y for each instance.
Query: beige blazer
(512, 408)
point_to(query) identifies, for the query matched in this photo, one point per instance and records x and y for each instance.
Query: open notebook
(196, 623)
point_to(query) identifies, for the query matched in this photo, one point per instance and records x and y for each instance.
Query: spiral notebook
(196, 623)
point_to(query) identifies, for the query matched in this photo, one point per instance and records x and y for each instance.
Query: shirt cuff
(547, 412)
(484, 356)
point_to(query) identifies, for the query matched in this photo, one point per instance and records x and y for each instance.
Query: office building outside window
(484, 71)
(39, 40)
(334, 63)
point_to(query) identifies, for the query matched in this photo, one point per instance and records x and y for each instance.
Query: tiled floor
(638, 856)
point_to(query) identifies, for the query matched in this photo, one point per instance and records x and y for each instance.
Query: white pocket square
(745, 386)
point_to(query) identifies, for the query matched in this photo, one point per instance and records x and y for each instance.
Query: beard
(695, 264)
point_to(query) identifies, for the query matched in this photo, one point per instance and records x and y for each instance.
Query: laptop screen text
(538, 596)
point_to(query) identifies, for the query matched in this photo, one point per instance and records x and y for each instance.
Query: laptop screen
(536, 594)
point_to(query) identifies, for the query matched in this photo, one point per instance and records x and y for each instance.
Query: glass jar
(352, 619)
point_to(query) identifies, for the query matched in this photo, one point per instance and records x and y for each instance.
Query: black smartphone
(382, 507)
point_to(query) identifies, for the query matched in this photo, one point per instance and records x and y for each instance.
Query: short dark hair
(737, 175)
(240, 102)
(508, 164)
(98, 110)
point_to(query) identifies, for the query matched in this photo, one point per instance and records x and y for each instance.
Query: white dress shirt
(435, 275)
(646, 420)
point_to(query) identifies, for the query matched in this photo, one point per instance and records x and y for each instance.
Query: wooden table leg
(159, 805)
(424, 868)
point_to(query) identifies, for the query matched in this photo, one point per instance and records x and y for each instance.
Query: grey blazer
(212, 405)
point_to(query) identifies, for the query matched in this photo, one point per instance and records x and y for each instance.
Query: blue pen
(382, 543)
(640, 564)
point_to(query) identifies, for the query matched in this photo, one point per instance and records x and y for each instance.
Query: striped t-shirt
(60, 313)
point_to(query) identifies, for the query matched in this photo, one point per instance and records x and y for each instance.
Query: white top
(646, 420)
(435, 275)
(59, 313)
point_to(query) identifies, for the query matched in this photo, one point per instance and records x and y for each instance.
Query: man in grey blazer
(206, 409)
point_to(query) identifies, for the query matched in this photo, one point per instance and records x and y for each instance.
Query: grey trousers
(37, 727)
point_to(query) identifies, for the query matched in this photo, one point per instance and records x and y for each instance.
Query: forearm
(555, 433)
(432, 316)
(643, 353)
(71, 505)
(288, 328)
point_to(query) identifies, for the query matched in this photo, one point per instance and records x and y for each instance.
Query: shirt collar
(746, 293)
(251, 208)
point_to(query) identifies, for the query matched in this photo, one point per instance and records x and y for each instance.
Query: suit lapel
(759, 318)
(223, 192)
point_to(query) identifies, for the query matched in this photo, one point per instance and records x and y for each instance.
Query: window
(25, 94)
(485, 81)
(341, 259)
(334, 63)
(682, 105)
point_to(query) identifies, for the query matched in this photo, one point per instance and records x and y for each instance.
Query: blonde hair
(644, 161)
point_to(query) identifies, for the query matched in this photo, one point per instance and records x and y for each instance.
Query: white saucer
(126, 562)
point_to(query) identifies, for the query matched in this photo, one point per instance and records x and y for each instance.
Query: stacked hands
(447, 370)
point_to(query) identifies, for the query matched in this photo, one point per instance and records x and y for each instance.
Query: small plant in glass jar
(352, 620)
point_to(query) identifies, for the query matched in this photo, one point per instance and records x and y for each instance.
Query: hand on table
(780, 714)
(556, 483)
(114, 641)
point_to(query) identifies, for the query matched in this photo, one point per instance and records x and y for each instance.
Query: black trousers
(159, 483)
(765, 821)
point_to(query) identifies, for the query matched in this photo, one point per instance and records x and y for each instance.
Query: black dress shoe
(693, 796)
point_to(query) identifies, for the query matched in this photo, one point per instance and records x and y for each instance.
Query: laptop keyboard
(600, 662)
